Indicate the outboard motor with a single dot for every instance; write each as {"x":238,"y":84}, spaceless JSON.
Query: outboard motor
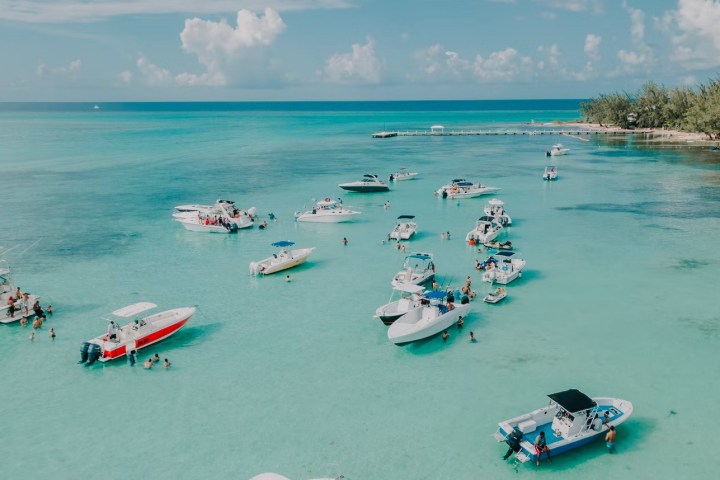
{"x":93,"y":353}
{"x":84,"y":352}
{"x":513,"y":440}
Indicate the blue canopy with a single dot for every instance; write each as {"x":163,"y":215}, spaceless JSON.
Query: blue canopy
{"x":435,"y":294}
{"x":283,"y":243}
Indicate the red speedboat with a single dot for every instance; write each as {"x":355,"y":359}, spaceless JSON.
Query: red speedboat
{"x":140,"y":333}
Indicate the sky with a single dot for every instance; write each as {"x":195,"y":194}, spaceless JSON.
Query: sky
{"x":277,"y":50}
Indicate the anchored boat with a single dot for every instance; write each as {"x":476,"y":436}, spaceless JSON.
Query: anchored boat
{"x":418,"y":268}
{"x":20,"y":306}
{"x":495,"y":208}
{"x":223,"y":217}
{"x":404,"y":229}
{"x":486,"y":230}
{"x":430,"y":319}
{"x":461,"y":188}
{"x":282,"y":260}
{"x":550,"y":173}
{"x":409,"y":299}
{"x":402,"y":174}
{"x":502,"y":267}
{"x":369,"y":184}
{"x":327,"y":211}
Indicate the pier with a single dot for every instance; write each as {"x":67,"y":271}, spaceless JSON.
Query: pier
{"x":441,"y":132}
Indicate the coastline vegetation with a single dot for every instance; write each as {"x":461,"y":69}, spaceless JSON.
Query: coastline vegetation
{"x":655,"y":106}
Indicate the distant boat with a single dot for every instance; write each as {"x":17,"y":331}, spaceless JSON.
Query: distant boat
{"x":96,"y":107}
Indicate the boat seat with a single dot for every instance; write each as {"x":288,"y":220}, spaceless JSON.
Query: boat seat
{"x":527,"y":426}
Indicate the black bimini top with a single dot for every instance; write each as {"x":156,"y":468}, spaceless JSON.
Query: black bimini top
{"x":572,"y":400}
{"x":406,"y":216}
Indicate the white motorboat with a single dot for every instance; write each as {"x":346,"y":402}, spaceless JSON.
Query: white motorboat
{"x":402,"y":174}
{"x":140,"y":333}
{"x":502,"y":267}
{"x":461,"y":188}
{"x":369,"y":184}
{"x":396,"y":308}
{"x":223,"y":217}
{"x":418,"y":268}
{"x":570,"y":420}
{"x":557,"y":149}
{"x":550,"y":173}
{"x":496,"y":208}
{"x":486,"y":230}
{"x":430,"y":319}
{"x":20,"y":306}
{"x":494,"y":297}
{"x":327,"y":211}
{"x":404,"y":229}
{"x":282,"y":260}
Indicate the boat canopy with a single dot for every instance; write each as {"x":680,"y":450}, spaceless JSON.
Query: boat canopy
{"x":370,"y":175}
{"x":505,"y":254}
{"x":458,"y":180}
{"x":435,"y":294}
{"x":283,"y":243}
{"x":486,"y":218}
{"x":421,"y":256}
{"x":464,"y":184}
{"x":572,"y":400}
{"x":133,"y":309}
{"x":406,"y":216}
{"x":408,"y":288}
{"x":495,"y":202}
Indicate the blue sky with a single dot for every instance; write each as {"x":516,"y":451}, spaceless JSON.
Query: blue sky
{"x":170,"y":50}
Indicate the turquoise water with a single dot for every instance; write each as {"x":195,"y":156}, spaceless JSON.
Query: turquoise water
{"x":298,"y":378}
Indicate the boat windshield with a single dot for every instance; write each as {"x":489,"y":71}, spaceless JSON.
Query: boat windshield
{"x":418,"y":263}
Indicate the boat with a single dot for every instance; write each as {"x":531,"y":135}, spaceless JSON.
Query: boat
{"x":136,"y":335}
{"x":282,"y":260}
{"x":570,"y":420}
{"x":402,"y":174}
{"x":22,"y":307}
{"x":418,"y":268}
{"x":369,"y":184}
{"x":486,"y":230}
{"x":557,"y":149}
{"x":502,"y":267}
{"x":494,"y":297}
{"x":430,"y":319}
{"x":327,"y":211}
{"x":384,"y":134}
{"x":222,"y":217}
{"x":506,"y":245}
{"x":404,"y":229}
{"x":461,"y":188}
{"x":496,"y":208}
{"x":409,"y":299}
{"x":550,"y":173}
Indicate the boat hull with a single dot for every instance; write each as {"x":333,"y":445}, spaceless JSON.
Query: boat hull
{"x":271,"y":265}
{"x":415,"y":325}
{"x":365,"y":188}
{"x":326,"y":217}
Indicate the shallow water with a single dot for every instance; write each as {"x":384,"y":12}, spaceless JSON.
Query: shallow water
{"x":298,"y":378}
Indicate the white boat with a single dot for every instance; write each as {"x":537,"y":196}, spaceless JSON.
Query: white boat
{"x":430,"y":319}
{"x":496,"y":208}
{"x":409,"y":299}
{"x":418,"y":268}
{"x":21,"y":307}
{"x":502,"y":267}
{"x":402,"y":174}
{"x":570,"y":420}
{"x":404,"y":229}
{"x":486,"y":230}
{"x":138,"y":334}
{"x":557,"y":149}
{"x":282,"y":260}
{"x":327,"y":211}
{"x":550,"y":173}
{"x":223,"y":217}
{"x":494,"y":297}
{"x":461,"y":188}
{"x":370,"y":183}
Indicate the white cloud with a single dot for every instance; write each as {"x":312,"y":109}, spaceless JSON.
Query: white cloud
{"x":551,"y":53}
{"x":360,"y":66}
{"x":42,"y":70}
{"x":126,"y":76}
{"x":592,"y":44}
{"x":637,"y":22}
{"x":697,"y":39}
{"x":437,"y":62}
{"x":504,"y":65}
{"x":64,"y":11}
{"x":151,"y":73}
{"x":594,"y":6}
{"x":632,"y":61}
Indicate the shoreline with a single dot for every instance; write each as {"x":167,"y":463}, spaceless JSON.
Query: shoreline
{"x":653,"y":135}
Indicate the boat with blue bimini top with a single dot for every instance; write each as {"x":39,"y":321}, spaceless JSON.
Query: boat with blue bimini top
{"x":431,"y":318}
{"x":570,"y":420}
{"x":462,"y":188}
{"x":282,"y":260}
{"x":418,"y":268}
{"x":370,"y":183}
{"x":502,"y":267}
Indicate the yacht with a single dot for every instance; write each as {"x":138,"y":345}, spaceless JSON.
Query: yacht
{"x":418,"y":268}
{"x":502,"y":267}
{"x":550,"y":173}
{"x":327,"y":211}
{"x":404,"y":229}
{"x":570,"y":420}
{"x":431,"y":318}
{"x":402,"y":174}
{"x":557,"y":149}
{"x":496,"y":208}
{"x":282,"y":260}
{"x":397,"y":307}
{"x":486,"y":230}
{"x":461,"y":188}
{"x":369,"y":184}
{"x":222,"y":217}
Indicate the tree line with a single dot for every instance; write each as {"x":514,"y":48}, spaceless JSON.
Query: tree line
{"x":655,"y":106}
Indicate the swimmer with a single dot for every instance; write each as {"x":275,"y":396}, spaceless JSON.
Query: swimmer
{"x":166,"y":363}
{"x":32,"y":336}
{"x":287,"y":278}
{"x":49,"y":310}
{"x":460,"y":322}
{"x":345,"y":241}
{"x":148,"y":364}
{"x":472,"y":337}
{"x":156,"y":358}
{"x":23,"y":321}
{"x":445,"y":335}
{"x":52,"y":333}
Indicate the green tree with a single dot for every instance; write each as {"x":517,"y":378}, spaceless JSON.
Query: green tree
{"x":679,"y":101}
{"x":649,"y":106}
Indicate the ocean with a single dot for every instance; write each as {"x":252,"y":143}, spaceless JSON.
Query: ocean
{"x":298,"y":378}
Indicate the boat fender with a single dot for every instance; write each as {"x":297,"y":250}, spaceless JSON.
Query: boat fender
{"x":93,"y":353}
{"x":84,"y":352}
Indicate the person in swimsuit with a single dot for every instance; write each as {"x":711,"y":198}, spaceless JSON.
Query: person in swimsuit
{"x":540,"y":447}
{"x":610,"y":439}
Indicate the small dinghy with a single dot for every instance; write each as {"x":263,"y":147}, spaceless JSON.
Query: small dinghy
{"x":570,"y":420}
{"x":402,"y":174}
{"x":496,"y":296}
{"x":550,"y":173}
{"x":282,"y":260}
{"x":396,"y":308}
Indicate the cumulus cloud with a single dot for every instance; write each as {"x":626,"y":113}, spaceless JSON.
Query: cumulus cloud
{"x":153,"y":74}
{"x":594,"y":6}
{"x":592,"y":44}
{"x":126,"y":76}
{"x":438,"y":62}
{"x":697,"y":36}
{"x":65,"y":11}
{"x":504,"y":65}
{"x":360,"y":66}
{"x":637,"y":22}
{"x":43,"y":71}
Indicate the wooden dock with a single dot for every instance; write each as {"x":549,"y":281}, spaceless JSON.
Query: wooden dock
{"x":460,"y":133}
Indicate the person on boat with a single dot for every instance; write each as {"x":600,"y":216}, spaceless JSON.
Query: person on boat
{"x":450,"y":296}
{"x":11,"y":307}
{"x":513,"y":438}
{"x":148,"y":364}
{"x":314,"y":211}
{"x":472,"y":337}
{"x":445,"y":335}
{"x":112,"y":330}
{"x":610,"y":439}
{"x":166,"y":363}
{"x":449,"y":305}
{"x":540,"y":447}
{"x":606,"y":417}
{"x":460,"y":322}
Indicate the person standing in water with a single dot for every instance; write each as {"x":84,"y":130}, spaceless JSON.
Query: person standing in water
{"x":610,"y":439}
